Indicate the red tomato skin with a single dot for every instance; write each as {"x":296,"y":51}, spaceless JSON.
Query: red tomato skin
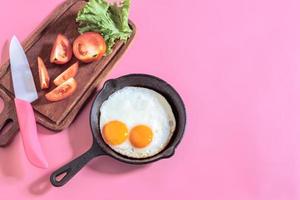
{"x":61,"y":52}
{"x":91,"y":44}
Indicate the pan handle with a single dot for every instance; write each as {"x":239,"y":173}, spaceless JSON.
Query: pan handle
{"x":8,"y":119}
{"x":61,"y":176}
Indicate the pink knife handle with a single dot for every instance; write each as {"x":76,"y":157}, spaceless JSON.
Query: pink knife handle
{"x":28,"y":131}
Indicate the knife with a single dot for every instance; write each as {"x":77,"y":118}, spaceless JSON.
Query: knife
{"x":25,"y":94}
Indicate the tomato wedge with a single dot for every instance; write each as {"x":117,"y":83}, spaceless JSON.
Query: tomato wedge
{"x":89,"y":47}
{"x":61,"y":52}
{"x":68,"y":73}
{"x":63,"y":91}
{"x":43,"y":74}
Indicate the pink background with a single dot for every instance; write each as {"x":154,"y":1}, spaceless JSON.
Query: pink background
{"x":236,"y":64}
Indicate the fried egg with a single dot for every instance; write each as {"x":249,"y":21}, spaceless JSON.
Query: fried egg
{"x":137,"y":122}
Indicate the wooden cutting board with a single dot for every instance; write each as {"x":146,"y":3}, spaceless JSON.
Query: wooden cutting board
{"x":55,"y":115}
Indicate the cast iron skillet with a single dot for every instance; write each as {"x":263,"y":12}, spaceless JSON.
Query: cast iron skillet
{"x":99,"y":147}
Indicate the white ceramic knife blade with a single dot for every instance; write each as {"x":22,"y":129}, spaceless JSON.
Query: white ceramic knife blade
{"x":23,"y":82}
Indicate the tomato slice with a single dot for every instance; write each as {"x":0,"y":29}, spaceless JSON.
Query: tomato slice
{"x":43,"y":74}
{"x":61,"y":52}
{"x":68,"y":73}
{"x":89,"y":47}
{"x":63,"y":91}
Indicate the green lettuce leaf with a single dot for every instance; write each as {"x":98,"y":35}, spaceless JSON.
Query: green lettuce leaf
{"x":109,"y":20}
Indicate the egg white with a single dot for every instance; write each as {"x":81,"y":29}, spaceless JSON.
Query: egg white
{"x":140,"y":106}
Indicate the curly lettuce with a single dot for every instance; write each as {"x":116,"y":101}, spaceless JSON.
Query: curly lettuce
{"x":109,"y":20}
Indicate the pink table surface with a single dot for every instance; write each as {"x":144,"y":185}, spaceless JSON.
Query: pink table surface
{"x":236,"y":64}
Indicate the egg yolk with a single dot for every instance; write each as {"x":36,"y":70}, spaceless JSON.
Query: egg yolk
{"x":140,"y":136}
{"x":115,"y":132}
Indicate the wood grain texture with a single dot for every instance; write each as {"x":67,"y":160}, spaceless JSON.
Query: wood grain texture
{"x":58,"y":115}
{"x":8,"y":119}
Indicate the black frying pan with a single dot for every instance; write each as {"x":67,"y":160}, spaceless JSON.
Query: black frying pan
{"x":99,"y":147}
